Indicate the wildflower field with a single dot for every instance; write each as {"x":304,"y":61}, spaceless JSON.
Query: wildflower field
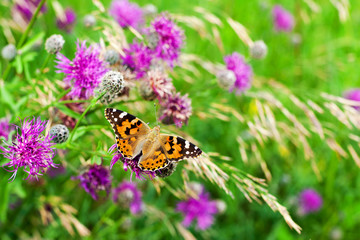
{"x":179,"y":119}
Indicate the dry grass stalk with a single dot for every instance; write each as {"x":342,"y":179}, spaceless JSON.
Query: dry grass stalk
{"x":187,"y":235}
{"x":261,"y":161}
{"x":241,"y":31}
{"x":336,"y":147}
{"x":158,"y":214}
{"x":354,"y":155}
{"x":342,"y":6}
{"x":193,"y":22}
{"x":242,"y":149}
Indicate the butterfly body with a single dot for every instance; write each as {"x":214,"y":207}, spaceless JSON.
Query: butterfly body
{"x":133,"y":137}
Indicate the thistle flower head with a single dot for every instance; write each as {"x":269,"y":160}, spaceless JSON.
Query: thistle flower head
{"x":5,"y":129}
{"x":258,"y":50}
{"x":354,"y":95}
{"x":30,"y":150}
{"x":95,"y":179}
{"x":160,"y":83}
{"x":131,"y":164}
{"x":176,"y":109}
{"x":170,"y":39}
{"x":9,"y":52}
{"x":60,"y":133}
{"x":201,"y":208}
{"x":112,"y":84}
{"x":243,"y":72}
{"x":138,"y":58}
{"x":89,"y":20}
{"x":82,"y":74}
{"x":67,"y":21}
{"x":283,"y":20}
{"x":310,"y":201}
{"x":54,"y":43}
{"x":226,"y":78}
{"x":127,"y":14}
{"x":111,"y":56}
{"x":127,"y":194}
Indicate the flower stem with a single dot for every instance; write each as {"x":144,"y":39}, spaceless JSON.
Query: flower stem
{"x":24,"y":36}
{"x":93,"y":102}
{"x":31,"y":23}
{"x":45,"y":63}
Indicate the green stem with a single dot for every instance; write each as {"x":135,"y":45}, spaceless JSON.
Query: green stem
{"x":93,"y":102}
{"x":24,"y":36}
{"x":45,"y":63}
{"x":31,"y":23}
{"x":53,"y":102}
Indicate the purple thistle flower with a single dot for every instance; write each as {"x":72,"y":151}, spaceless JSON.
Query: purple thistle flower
{"x":170,"y":39}
{"x":5,"y":128}
{"x":138,"y":58}
{"x":353,"y":95}
{"x":201,"y":208}
{"x":127,"y":194}
{"x":243,"y":72}
{"x":126,"y":13}
{"x":96,"y":178}
{"x":26,"y":8}
{"x":283,"y":20}
{"x":310,"y":201}
{"x":67,"y":21}
{"x":131,"y":164}
{"x":83,"y":74}
{"x":160,"y":83}
{"x":30,"y":149}
{"x":176,"y":109}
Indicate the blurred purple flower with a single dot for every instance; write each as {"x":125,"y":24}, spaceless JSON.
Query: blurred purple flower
{"x":138,"y":58}
{"x":54,"y":172}
{"x":5,"y":128}
{"x":67,"y":21}
{"x":283,"y":20}
{"x":30,"y":149}
{"x":128,"y":195}
{"x":170,"y":39}
{"x":132,"y":164}
{"x":176,"y":109}
{"x":160,"y":83}
{"x":126,"y":13}
{"x":96,"y":178}
{"x":353,"y":95}
{"x":83,"y":74}
{"x":310,"y":201}
{"x":26,"y":8}
{"x":201,"y":208}
{"x":243,"y":72}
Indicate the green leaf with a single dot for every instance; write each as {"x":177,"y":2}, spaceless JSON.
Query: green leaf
{"x":4,"y":198}
{"x":82,"y":130}
{"x":27,"y":46}
{"x":7,"y":98}
{"x":20,"y":103}
{"x":29,"y":56}
{"x":18,"y":64}
{"x":67,"y":110}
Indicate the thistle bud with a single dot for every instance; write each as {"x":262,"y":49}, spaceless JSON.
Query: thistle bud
{"x":226,"y":78}
{"x":54,"y":44}
{"x":9,"y":52}
{"x":258,"y":50}
{"x":60,"y":133}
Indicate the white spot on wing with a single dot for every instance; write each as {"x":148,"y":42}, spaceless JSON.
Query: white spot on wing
{"x":115,"y":119}
{"x":187,"y":152}
{"x":196,"y":147}
{"x":187,"y":144}
{"x":114,"y":110}
{"x":123,"y":114}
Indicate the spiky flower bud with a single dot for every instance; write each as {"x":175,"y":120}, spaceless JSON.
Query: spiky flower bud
{"x":54,"y":43}
{"x":60,"y":133}
{"x":220,"y":205}
{"x":146,"y":91}
{"x":167,"y":171}
{"x":149,"y":9}
{"x":258,"y":50}
{"x":226,"y":78}
{"x":89,"y":20}
{"x":111,"y":56}
{"x":9,"y":52}
{"x":112,"y":84}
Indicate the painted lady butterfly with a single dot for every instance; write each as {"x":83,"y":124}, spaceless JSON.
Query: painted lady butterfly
{"x":133,"y":137}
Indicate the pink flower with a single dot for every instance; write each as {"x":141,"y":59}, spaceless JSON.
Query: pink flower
{"x":126,"y":13}
{"x":310,"y":201}
{"x":128,"y":194}
{"x":353,"y":95}
{"x":243,"y":72}
{"x":176,"y":109}
{"x":283,"y":20}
